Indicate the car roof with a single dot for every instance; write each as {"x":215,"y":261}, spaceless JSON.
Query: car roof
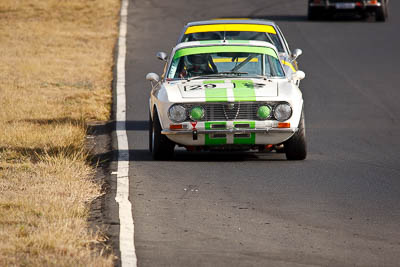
{"x":231,"y":21}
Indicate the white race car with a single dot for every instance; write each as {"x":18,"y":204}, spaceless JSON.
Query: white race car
{"x":225,"y":95}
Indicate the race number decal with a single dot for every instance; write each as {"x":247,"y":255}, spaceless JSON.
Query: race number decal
{"x":228,"y":85}
{"x":193,"y":87}
{"x":258,"y":85}
{"x":201,"y":86}
{"x":210,"y":86}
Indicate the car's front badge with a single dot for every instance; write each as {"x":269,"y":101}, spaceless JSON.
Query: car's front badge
{"x":194,"y":124}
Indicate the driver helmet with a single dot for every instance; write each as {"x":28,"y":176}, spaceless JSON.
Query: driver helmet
{"x":197,"y":63}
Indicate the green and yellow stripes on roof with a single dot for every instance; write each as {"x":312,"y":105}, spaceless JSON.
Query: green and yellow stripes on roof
{"x":225,"y":48}
{"x":231,"y":27}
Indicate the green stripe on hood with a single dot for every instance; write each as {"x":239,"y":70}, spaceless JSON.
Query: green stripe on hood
{"x":244,"y":90}
{"x":216,"y":94}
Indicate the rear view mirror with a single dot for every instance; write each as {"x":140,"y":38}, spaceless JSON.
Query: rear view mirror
{"x":153,"y":77}
{"x":162,"y":56}
{"x":296,"y":53}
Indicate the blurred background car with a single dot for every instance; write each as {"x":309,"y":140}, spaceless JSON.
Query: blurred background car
{"x":317,"y":9}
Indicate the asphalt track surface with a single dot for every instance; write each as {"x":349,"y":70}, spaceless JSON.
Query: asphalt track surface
{"x":340,"y":207}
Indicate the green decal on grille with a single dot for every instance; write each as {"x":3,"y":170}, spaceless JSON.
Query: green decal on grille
{"x":244,"y":90}
{"x":216,"y":94}
{"x":209,"y":141}
{"x":208,"y":125}
{"x":251,"y":140}
{"x":252,"y":124}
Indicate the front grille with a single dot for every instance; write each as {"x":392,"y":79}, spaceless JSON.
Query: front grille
{"x":232,"y":111}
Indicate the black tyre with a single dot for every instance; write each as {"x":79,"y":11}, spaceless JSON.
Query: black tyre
{"x":161,"y":147}
{"x":150,"y":133}
{"x":381,"y":13}
{"x":295,"y":147}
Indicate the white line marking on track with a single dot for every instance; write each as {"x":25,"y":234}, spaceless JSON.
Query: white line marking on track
{"x":127,"y":229}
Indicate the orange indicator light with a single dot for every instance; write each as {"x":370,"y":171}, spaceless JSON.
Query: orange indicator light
{"x":284,"y":125}
{"x":176,"y":126}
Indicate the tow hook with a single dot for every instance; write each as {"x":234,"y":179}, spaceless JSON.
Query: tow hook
{"x":195,"y":135}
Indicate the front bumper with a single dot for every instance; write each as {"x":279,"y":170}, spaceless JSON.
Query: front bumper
{"x":231,"y":131}
{"x":221,"y":137}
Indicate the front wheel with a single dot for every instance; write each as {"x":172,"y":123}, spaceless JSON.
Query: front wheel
{"x":295,"y":147}
{"x":150,"y":133}
{"x":160,"y":146}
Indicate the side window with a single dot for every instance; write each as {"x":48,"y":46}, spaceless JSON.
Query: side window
{"x":277,"y":42}
{"x":267,"y":67}
{"x":272,"y":67}
{"x":174,"y":69}
{"x":283,"y":40}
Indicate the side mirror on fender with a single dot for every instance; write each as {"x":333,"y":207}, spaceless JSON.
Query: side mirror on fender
{"x":298,"y":75}
{"x":296,"y":53}
{"x":153,"y":77}
{"x":162,"y":56}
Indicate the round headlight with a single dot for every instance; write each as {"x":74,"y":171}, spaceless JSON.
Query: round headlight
{"x":177,"y":113}
{"x":197,"y":113}
{"x":263,"y":112}
{"x":282,"y":112}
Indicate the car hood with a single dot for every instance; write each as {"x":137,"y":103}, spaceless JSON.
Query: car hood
{"x":228,"y":90}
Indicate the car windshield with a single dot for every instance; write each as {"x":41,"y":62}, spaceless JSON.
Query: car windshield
{"x":235,"y":35}
{"x":225,"y":61}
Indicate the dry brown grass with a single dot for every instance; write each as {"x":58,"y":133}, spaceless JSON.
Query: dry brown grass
{"x":55,"y":76}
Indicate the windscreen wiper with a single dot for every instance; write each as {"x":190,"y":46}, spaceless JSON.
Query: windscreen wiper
{"x":265,"y":77}
{"x":247,"y":60}
{"x":233,"y":72}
